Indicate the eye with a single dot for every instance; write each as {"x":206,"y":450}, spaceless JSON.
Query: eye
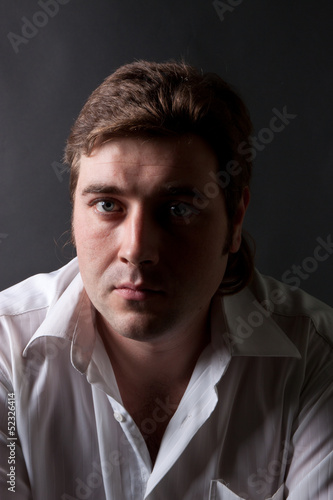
{"x":106,"y":206}
{"x":182,"y":210}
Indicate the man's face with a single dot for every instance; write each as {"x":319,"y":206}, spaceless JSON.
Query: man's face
{"x":150,"y":260}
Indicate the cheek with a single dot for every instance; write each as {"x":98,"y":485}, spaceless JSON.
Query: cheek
{"x":213,"y":256}
{"x":84,"y":228}
{"x":96,"y":250}
{"x":86,"y":239}
{"x":81,"y":236}
{"x":205,"y":259}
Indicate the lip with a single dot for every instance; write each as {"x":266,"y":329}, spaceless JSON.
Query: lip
{"x":138,"y":292}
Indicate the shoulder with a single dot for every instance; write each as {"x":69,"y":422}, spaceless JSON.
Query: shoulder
{"x":37,"y":292}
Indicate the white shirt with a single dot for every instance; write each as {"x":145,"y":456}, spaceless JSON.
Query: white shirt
{"x":256,"y":420}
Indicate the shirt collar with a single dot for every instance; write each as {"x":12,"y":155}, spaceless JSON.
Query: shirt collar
{"x":251,"y":329}
{"x":72,"y":317}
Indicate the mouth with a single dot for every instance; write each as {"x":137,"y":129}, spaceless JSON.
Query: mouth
{"x":137,"y":292}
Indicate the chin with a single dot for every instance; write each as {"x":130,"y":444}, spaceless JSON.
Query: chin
{"x":143,"y":328}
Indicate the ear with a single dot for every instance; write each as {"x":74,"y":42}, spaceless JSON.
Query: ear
{"x":238,"y":221}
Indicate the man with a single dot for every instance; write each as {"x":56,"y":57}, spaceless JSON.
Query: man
{"x":158,"y":364}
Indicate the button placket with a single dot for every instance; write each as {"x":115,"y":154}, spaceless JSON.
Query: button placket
{"x":119,"y":417}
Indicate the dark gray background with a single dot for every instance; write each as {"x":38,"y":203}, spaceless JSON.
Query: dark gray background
{"x":277,"y":53}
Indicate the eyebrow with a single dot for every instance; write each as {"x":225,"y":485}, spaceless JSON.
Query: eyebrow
{"x":103,"y":189}
{"x":169,"y":190}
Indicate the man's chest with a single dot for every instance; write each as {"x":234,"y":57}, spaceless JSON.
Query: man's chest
{"x":152,"y":413}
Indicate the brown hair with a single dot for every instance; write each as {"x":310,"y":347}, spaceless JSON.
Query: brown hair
{"x":171,"y":99}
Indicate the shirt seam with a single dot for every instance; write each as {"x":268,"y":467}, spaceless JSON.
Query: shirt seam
{"x":312,"y":322}
{"x":8,"y":315}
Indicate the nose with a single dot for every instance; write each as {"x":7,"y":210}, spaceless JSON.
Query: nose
{"x":139,"y":238}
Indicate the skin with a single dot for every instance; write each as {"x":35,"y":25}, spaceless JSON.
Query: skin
{"x":150,"y":260}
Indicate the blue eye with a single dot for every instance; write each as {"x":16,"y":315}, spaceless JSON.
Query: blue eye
{"x":105,"y":206}
{"x":182,"y":210}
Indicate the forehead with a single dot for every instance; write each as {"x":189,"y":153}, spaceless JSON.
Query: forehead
{"x":149,"y":163}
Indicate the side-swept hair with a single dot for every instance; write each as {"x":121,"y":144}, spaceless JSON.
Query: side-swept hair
{"x":148,"y":98}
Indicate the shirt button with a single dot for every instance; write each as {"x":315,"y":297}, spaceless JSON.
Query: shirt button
{"x":118,"y":416}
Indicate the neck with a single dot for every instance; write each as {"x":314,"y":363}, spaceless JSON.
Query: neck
{"x":166,"y":362}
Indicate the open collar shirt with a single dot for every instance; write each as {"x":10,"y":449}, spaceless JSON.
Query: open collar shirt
{"x":255,"y":422}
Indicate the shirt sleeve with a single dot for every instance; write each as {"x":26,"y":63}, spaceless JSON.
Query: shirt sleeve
{"x":310,"y":475}
{"x":14,"y":481}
